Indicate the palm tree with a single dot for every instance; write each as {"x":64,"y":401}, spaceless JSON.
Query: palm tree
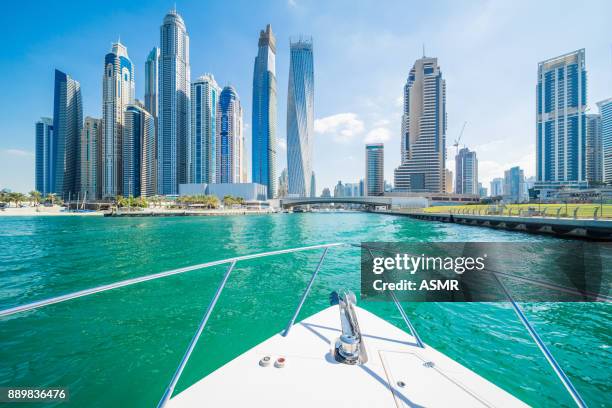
{"x":35,"y":196}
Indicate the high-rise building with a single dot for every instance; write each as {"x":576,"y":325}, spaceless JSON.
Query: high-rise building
{"x":514,"y":186}
{"x":43,"y":167}
{"x":605,"y":110}
{"x":174,"y":111}
{"x":203,"y":145}
{"x":594,"y":149}
{"x":482,"y":191}
{"x":339,"y":190}
{"x":423,"y":144}
{"x":118,"y":93}
{"x":466,"y":172}
{"x":91,"y":158}
{"x":67,"y":124}
{"x":300,"y":117}
{"x":139,"y":170}
{"x":151,"y":100}
{"x":326,"y":193}
{"x":283,"y":184}
{"x":352,"y":190}
{"x":561,"y":99}
{"x":497,"y":187}
{"x":313,"y":185}
{"x":229,"y":137}
{"x":263,"y":157}
{"x":448,"y":181}
{"x":375,"y":169}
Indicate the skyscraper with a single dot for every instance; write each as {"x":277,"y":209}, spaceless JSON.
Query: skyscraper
{"x":264,"y":113}
{"x":174,"y":111}
{"x":138,"y":151}
{"x":91,"y":158}
{"x":594,"y":149}
{"x":283,"y":184}
{"x":514,"y":186}
{"x":375,"y":169}
{"x":561,"y":98}
{"x":203,"y":145}
{"x":300,"y":117}
{"x":44,"y":141}
{"x":151,"y":100}
{"x":497,"y":187}
{"x":466,"y":172}
{"x":229,"y":140}
{"x":423,"y":144}
{"x":118,"y":92}
{"x":605,"y":110}
{"x":313,"y":185}
{"x":448,"y":181}
{"x":67,"y":123}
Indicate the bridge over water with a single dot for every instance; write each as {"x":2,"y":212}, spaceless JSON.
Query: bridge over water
{"x":367,"y":201}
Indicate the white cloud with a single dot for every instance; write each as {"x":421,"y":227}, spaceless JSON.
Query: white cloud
{"x":343,"y":127}
{"x":378,"y":135}
{"x":18,"y":152}
{"x":292,"y":3}
{"x":282,"y":144}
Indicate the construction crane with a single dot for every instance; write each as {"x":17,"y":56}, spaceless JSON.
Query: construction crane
{"x":456,"y":144}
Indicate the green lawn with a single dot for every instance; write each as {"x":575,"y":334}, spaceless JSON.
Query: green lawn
{"x":584,"y":210}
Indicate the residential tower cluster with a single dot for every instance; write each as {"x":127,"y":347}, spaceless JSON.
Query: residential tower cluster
{"x":185,"y":135}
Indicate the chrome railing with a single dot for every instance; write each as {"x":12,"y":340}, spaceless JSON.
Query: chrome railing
{"x":232,"y":263}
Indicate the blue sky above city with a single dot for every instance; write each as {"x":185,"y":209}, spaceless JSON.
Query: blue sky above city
{"x":488,"y":52}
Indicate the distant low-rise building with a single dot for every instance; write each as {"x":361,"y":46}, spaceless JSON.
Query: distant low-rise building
{"x":247,"y":191}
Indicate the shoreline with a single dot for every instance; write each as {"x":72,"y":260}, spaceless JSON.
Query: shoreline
{"x":57,"y":211}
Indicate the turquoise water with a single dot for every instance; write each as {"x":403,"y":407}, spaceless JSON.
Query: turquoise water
{"x":121,"y":347}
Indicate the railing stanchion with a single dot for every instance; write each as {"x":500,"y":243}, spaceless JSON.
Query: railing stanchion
{"x":303,"y":299}
{"x":403,"y":314}
{"x":567,"y":383}
{"x":407,"y":321}
{"x":194,"y":340}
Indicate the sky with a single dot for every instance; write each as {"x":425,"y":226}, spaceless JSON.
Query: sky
{"x":488,"y":52}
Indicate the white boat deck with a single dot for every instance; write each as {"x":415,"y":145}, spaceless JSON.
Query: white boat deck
{"x":398,"y":373}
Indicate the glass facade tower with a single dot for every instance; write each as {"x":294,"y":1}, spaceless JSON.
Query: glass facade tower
{"x":91,"y":158}
{"x":229,"y":140}
{"x":174,"y":111}
{"x":300,"y":117}
{"x":423,"y":139}
{"x":375,"y":169}
{"x":466,"y":172}
{"x":44,"y":141}
{"x":67,"y":124}
{"x":138,"y":152}
{"x":263,"y":157}
{"x":203,"y":145}
{"x":118,"y":92}
{"x":561,"y":99}
{"x":151,"y":100}
{"x":605,"y":110}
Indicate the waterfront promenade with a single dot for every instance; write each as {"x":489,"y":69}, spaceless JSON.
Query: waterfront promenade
{"x":597,"y":229}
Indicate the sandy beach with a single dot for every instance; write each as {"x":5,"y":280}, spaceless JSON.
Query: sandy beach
{"x":43,"y":211}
